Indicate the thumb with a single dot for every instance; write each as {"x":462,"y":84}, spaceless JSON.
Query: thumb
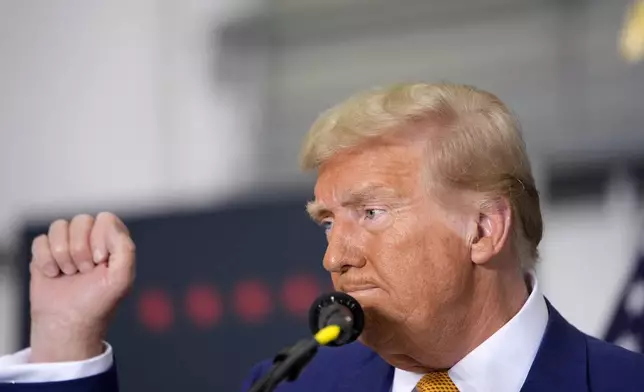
{"x":122,"y":256}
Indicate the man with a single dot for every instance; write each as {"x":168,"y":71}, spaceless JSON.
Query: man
{"x":433,"y":220}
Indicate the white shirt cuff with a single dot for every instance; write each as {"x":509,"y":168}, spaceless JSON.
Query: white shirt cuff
{"x":15,"y":368}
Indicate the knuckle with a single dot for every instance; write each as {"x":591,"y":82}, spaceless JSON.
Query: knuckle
{"x":129,"y":245}
{"x":58,"y":228}
{"x":82,"y":218}
{"x":58,"y":223}
{"x":60,"y":249}
{"x":38,"y":243}
{"x":106,"y":217}
{"x":110,"y":219}
{"x":125,"y":243}
{"x":79,"y":249}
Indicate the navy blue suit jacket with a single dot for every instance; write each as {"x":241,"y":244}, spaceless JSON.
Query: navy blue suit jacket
{"x":567,"y":360}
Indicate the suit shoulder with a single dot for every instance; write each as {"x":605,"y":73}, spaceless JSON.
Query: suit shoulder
{"x":611,"y":354}
{"x":614,"y":368}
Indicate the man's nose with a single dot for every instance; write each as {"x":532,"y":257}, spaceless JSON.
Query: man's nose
{"x":343,"y":252}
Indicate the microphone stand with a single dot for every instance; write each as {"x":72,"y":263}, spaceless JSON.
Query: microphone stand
{"x":335,"y":318}
{"x":287,"y":364}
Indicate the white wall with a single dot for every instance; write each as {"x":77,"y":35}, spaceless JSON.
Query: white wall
{"x":112,"y":105}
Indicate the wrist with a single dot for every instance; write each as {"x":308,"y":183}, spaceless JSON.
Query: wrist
{"x":56,"y":343}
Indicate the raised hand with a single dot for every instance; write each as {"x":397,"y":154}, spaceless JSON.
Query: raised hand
{"x":80,"y":270}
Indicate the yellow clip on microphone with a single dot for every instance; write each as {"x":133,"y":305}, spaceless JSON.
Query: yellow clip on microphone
{"x":327,"y":334}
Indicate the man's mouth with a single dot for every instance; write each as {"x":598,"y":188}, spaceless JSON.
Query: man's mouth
{"x":359,"y":290}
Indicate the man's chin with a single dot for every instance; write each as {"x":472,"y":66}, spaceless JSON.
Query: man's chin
{"x":379,"y":330}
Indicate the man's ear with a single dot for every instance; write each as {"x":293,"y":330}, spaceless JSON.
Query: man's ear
{"x":492,"y":230}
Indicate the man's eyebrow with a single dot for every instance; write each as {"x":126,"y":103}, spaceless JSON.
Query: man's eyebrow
{"x":317,"y":211}
{"x":362,"y":195}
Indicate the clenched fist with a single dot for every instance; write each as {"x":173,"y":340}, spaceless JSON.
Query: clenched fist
{"x":80,"y":270}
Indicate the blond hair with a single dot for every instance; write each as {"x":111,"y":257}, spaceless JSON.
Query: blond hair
{"x":476,"y":144}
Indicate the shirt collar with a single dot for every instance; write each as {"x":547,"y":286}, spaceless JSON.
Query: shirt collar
{"x":502,"y":362}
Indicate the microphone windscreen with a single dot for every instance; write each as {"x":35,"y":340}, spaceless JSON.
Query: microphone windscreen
{"x":340,"y":309}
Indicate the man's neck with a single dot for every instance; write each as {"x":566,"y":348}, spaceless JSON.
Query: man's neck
{"x":505,"y":296}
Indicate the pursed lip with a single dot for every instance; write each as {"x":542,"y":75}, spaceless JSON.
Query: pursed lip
{"x":358,"y":289}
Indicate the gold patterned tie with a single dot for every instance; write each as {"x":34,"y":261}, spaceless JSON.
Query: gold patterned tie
{"x":436,"y":382}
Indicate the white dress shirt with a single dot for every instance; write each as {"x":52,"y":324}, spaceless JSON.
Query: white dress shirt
{"x":502,"y":362}
{"x":15,"y":368}
{"x":499,"y":364}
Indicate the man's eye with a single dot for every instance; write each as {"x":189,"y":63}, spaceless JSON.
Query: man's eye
{"x":326,"y":224}
{"x":372,"y":213}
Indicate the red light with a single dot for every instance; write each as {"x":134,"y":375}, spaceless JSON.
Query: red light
{"x":252,"y":301}
{"x":155,"y":310}
{"x":299,"y":292}
{"x":203,"y":305}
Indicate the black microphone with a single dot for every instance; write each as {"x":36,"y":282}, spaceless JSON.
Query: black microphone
{"x":333,"y":309}
{"x":339,"y":309}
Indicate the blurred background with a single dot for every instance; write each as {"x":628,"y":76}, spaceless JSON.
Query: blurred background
{"x":185,"y":118}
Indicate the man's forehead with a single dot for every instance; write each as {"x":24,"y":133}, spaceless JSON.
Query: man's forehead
{"x":337,"y":193}
{"x":376,"y":170}
{"x":382,"y":178}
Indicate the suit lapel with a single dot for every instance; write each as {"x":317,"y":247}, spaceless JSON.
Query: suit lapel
{"x":374,"y":375}
{"x":561,"y":362}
